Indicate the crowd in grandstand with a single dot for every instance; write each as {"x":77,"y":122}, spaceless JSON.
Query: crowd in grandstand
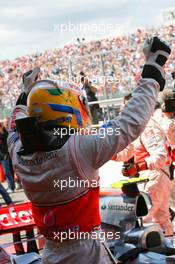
{"x":120,"y":56}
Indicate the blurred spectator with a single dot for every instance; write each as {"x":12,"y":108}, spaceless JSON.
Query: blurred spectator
{"x":4,"y":158}
{"x":173,"y":76}
{"x":90,"y":90}
{"x":5,"y":195}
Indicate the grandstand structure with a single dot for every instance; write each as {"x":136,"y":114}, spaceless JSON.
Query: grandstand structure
{"x":169,"y":16}
{"x":112,"y":64}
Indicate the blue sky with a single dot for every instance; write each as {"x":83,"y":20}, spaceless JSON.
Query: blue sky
{"x":31,"y":26}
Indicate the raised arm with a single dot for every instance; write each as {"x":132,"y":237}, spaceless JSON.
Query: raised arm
{"x":95,"y":150}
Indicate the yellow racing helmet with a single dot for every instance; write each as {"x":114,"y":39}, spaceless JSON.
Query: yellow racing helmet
{"x":58,"y":103}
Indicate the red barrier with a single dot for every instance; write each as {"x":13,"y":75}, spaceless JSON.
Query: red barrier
{"x":15,"y":218}
{"x":2,"y":175}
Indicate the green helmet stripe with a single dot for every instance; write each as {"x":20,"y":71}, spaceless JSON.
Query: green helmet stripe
{"x":56,"y":91}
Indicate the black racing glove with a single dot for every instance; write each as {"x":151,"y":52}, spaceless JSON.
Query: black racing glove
{"x":131,"y":169}
{"x":156,"y":53}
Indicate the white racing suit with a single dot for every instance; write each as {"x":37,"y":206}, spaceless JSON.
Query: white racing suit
{"x":74,"y":206}
{"x":151,"y":147}
{"x":168,"y":125}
